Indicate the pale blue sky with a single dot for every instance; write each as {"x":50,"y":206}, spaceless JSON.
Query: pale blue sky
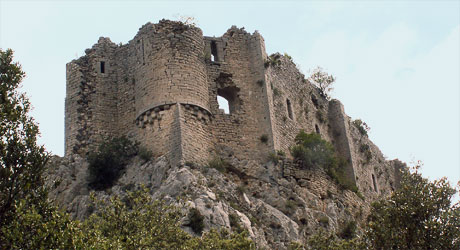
{"x":397,"y":63}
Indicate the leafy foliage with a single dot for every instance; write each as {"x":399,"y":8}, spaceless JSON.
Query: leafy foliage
{"x":22,"y":161}
{"x":312,"y":151}
{"x":329,"y":241}
{"x":108,"y":161}
{"x":40,"y":226}
{"x":323,"y":81}
{"x":218,"y":163}
{"x":196,"y":220}
{"x":419,"y":215}
{"x":363,"y":128}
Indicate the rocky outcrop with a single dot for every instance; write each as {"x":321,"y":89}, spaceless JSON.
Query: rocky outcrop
{"x":275,"y":207}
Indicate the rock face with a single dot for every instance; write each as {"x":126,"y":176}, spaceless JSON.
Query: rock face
{"x":275,"y":207}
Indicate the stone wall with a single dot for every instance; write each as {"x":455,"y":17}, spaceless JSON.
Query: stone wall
{"x":235,"y":74}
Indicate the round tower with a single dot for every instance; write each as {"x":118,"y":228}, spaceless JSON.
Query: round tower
{"x":170,"y":82}
{"x":172,"y":68}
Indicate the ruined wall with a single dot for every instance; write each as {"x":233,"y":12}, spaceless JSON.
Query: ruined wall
{"x":294,"y":103}
{"x":91,"y":102}
{"x":237,"y":74}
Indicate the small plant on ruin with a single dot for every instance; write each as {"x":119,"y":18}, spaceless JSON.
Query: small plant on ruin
{"x":264,"y":138}
{"x":260,"y":83}
{"x":363,"y":128}
{"x":323,"y":81}
{"x":234,"y":223}
{"x":273,"y":60}
{"x":312,"y":151}
{"x":108,"y":161}
{"x":187,"y":20}
{"x":321,"y":116}
{"x":365,"y":149}
{"x":218,"y":163}
{"x":145,"y":154}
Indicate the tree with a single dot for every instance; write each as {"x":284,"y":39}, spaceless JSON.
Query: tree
{"x":22,"y":161}
{"x":138,"y":222}
{"x":323,"y":81}
{"x":419,"y":215}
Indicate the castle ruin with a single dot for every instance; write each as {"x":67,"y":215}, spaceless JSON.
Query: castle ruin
{"x":161,"y":89}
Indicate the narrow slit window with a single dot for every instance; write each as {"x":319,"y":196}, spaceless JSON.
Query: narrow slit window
{"x":317,"y":129}
{"x":102,"y":67}
{"x":214,"y":51}
{"x":375,"y":183}
{"x":223,"y":104}
{"x":289,"y":108}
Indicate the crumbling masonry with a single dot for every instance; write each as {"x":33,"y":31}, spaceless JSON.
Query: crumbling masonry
{"x":161,"y":89}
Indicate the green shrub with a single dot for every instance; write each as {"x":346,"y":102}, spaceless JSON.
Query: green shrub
{"x":321,"y":116}
{"x":348,"y":231}
{"x":273,"y":60}
{"x":264,"y":138}
{"x":312,"y":151}
{"x":196,"y":221}
{"x":234,"y":223}
{"x":145,"y":154}
{"x":219,"y":164}
{"x":324,"y":220}
{"x":337,"y":172}
{"x":362,"y":126}
{"x":365,"y":149}
{"x":108,"y":161}
{"x":276,"y":156}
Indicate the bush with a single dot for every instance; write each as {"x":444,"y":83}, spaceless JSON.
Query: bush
{"x":196,"y":221}
{"x":108,"y":161}
{"x":264,"y":138}
{"x":276,"y":156}
{"x":145,"y":154}
{"x":337,"y":172}
{"x":362,"y":126}
{"x":348,"y":231}
{"x":219,"y":164}
{"x":234,"y":223}
{"x":312,"y":151}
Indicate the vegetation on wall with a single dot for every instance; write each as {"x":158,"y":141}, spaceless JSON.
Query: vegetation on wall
{"x":312,"y":151}
{"x":323,"y":81}
{"x":109,"y":160}
{"x":361,"y":126}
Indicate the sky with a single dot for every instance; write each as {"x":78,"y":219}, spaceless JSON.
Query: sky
{"x":397,"y":63}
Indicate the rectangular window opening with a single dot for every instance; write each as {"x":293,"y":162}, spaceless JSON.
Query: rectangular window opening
{"x":102,"y":67}
{"x":289,"y":108}
{"x":214,"y":51}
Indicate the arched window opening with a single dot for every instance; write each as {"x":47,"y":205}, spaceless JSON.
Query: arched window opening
{"x":289,"y":108}
{"x":375,"y":183}
{"x":231,"y":95}
{"x":223,"y":104}
{"x":214,"y":51}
